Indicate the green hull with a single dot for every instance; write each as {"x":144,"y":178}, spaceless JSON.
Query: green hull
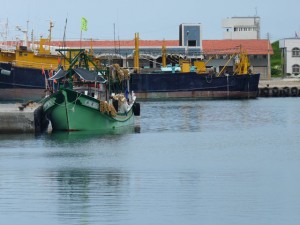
{"x":69,"y":110}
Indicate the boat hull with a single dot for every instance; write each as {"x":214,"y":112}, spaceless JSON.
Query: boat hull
{"x":71,"y":111}
{"x":21,"y":84}
{"x":21,"y":94}
{"x":192,"y":85}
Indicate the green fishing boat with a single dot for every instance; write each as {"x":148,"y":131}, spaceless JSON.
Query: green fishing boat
{"x":89,"y":99}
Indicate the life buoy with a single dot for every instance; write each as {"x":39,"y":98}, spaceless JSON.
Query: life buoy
{"x":136,"y":109}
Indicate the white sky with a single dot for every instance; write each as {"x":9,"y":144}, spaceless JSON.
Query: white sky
{"x":153,"y":19}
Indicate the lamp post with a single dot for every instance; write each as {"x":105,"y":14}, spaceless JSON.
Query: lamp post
{"x":187,"y":44}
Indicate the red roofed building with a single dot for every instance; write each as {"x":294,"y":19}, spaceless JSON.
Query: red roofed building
{"x":151,"y":50}
{"x":258,"y":52}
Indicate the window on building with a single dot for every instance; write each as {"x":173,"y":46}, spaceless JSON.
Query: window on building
{"x":192,"y":43}
{"x":296,"y":69}
{"x":296,"y":52}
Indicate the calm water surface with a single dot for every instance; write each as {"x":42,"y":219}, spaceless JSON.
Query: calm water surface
{"x":184,"y":162}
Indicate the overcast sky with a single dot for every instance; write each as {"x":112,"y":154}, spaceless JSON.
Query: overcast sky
{"x":153,"y":19}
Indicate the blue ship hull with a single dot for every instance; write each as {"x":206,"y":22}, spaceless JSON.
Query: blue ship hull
{"x":21,"y":84}
{"x":29,"y":84}
{"x":192,"y":85}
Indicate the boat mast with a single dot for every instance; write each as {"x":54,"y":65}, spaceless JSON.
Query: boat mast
{"x":136,"y":53}
{"x":64,"y":37}
{"x":25,"y":32}
{"x":164,"y":54}
{"x":4,"y":34}
{"x":50,"y":32}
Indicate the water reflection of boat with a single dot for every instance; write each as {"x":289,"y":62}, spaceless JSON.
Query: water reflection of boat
{"x":79,"y":136}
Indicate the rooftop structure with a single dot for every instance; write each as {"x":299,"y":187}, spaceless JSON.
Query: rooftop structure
{"x":241,"y":28}
{"x":190,"y":35}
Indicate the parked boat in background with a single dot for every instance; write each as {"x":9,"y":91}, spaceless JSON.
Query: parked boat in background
{"x":86,"y":99}
{"x":192,"y":85}
{"x":187,"y":81}
{"x":23,"y":70}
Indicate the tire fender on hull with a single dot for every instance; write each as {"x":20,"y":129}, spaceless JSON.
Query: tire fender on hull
{"x":136,"y":109}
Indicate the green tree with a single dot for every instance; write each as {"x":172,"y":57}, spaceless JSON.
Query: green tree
{"x":276,"y":60}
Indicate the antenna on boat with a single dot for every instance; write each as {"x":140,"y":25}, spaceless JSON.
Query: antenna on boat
{"x":115,"y":38}
{"x":32,"y":40}
{"x":50,"y":32}
{"x":64,"y":37}
{"x":4,"y":33}
{"x":25,"y":32}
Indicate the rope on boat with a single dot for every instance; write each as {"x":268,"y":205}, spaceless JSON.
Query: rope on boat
{"x":120,"y":73}
{"x":107,"y":108}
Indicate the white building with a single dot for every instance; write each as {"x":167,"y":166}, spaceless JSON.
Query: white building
{"x":241,"y":28}
{"x":290,"y":52}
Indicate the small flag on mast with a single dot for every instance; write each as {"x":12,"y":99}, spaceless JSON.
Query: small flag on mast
{"x":83,"y":24}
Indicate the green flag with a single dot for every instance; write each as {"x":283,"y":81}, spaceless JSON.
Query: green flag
{"x":83,"y":24}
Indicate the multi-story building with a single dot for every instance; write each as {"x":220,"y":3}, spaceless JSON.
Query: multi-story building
{"x":290,"y":52}
{"x":241,"y":28}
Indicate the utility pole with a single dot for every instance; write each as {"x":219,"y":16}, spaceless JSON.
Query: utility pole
{"x":269,"y":61}
{"x":115,"y":38}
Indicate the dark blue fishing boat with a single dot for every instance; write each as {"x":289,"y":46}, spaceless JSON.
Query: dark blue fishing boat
{"x":241,"y":83}
{"x":193,"y":85}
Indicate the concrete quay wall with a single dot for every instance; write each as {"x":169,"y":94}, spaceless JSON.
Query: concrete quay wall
{"x":288,"y":87}
{"x":15,"y":118}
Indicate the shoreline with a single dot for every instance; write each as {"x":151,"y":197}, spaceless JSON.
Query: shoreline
{"x":280,"y":83}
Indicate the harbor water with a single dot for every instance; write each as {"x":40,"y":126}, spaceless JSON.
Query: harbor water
{"x":184,"y":162}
